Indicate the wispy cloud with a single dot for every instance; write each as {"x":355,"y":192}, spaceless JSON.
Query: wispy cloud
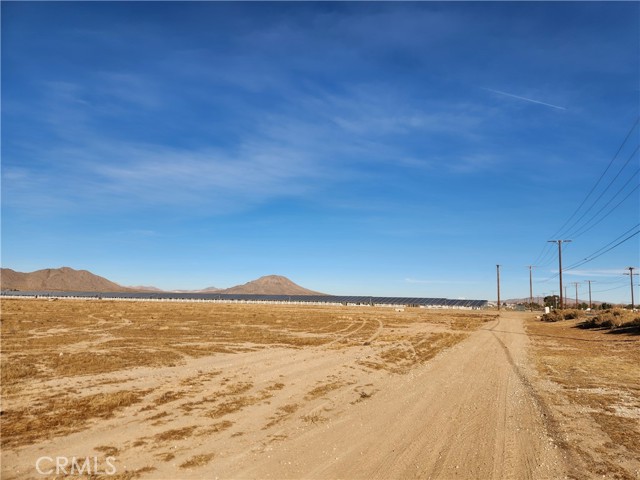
{"x":607,"y":272}
{"x":531,"y":100}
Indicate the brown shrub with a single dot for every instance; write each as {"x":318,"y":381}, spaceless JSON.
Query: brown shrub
{"x":559,"y":315}
{"x":616,"y":318}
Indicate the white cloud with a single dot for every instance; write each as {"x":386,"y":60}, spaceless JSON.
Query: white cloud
{"x":605,"y":272}
{"x":518,"y":97}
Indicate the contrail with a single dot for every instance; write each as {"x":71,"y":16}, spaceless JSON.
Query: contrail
{"x":523,"y":98}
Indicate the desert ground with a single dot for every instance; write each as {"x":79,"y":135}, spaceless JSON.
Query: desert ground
{"x":208,"y":390}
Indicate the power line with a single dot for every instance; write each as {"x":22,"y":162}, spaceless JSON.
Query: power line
{"x":543,"y":253}
{"x":587,"y":260}
{"x":599,"y":179}
{"x":584,"y":230}
{"x":597,"y":253}
{"x":545,"y":257}
{"x":612,"y":241}
{"x":605,"y":191}
{"x":614,"y":288}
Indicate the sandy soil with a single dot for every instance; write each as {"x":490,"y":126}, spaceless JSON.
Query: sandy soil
{"x":591,"y":385}
{"x":470,"y":413}
{"x":366,"y":393}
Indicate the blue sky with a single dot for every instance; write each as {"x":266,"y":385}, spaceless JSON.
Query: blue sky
{"x":357,"y":148}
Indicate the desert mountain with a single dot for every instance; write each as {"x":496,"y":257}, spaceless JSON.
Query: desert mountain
{"x":145,"y":288}
{"x":68,"y":279}
{"x":60,"y":279}
{"x":271,"y":285}
{"x":203,"y":290}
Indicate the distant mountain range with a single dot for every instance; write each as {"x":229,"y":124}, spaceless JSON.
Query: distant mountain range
{"x":271,"y":285}
{"x":59,"y":279}
{"x":70,"y":280}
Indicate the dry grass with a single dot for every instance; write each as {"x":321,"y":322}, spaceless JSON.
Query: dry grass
{"x":314,"y":418}
{"x":560,"y":315}
{"x":465,"y":322}
{"x":126,"y":475}
{"x":175,"y":434}
{"x":197,"y":461}
{"x":401,"y":353}
{"x":233,"y":405}
{"x":169,"y":396}
{"x":322,"y":390}
{"x":69,"y":338}
{"x":61,"y":415}
{"x":596,"y":373}
{"x":16,"y":371}
{"x":229,"y":390}
{"x":282,"y":413}
{"x":166,"y":456}
{"x":44,"y":342}
{"x":215,"y":428}
{"x":622,"y":321}
{"x":107,"y":451}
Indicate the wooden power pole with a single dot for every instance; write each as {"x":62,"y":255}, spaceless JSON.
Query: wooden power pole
{"x":498,"y":274}
{"x":530,"y":288}
{"x":560,"y":242}
{"x":631,"y":269}
{"x":576,"y":284}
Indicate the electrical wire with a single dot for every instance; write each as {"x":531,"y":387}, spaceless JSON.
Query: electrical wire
{"x":546,"y":255}
{"x":626,"y":285}
{"x":604,"y":191}
{"x":599,"y":179}
{"x":589,"y":259}
{"x":585,"y":230}
{"x":598,"y":252}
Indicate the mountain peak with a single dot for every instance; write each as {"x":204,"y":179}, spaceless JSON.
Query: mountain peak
{"x":271,"y":285}
{"x":60,"y":279}
{"x":69,"y":279}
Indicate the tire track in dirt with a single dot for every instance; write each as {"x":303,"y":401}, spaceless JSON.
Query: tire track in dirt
{"x":377,"y":332}
{"x":546,"y":415}
{"x":468,"y":413}
{"x":347,"y":335}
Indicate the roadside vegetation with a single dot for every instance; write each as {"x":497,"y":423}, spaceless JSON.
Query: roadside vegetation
{"x":617,"y":320}
{"x":589,"y":367}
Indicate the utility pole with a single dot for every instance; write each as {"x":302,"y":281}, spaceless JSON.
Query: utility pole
{"x":631,"y":269}
{"x":498,"y":272}
{"x":589,"y":282}
{"x":565,"y":296}
{"x":530,"y":288}
{"x":576,"y":284}
{"x":560,"y":242}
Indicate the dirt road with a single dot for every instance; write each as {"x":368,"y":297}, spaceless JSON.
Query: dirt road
{"x":469,"y":413}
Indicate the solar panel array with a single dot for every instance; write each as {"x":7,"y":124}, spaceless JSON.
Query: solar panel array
{"x":345,"y":300}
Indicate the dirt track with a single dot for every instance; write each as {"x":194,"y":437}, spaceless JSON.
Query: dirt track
{"x":469,"y":413}
{"x":365,"y":401}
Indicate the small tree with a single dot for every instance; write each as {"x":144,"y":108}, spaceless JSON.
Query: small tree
{"x":551,"y":301}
